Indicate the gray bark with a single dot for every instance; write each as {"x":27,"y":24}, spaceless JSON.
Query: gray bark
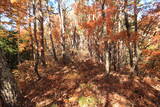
{"x":61,"y":15}
{"x":36,"y":41}
{"x":42,"y":34}
{"x":9,"y":92}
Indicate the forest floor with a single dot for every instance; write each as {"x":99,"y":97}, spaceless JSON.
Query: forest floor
{"x":84,"y":84}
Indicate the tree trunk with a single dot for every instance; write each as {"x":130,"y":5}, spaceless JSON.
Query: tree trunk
{"x":76,"y":38}
{"x":31,"y":36}
{"x":42,"y":35}
{"x":118,"y":55}
{"x":114,"y":56}
{"x":9,"y":92}
{"x":136,"y":30}
{"x":50,"y":34}
{"x":107,"y":57}
{"x":129,"y":44}
{"x":62,"y":30}
{"x":107,"y":60}
{"x":130,"y":55}
{"x":36,"y":41}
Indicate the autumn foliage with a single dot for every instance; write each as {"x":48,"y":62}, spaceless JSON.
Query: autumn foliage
{"x":88,"y":53}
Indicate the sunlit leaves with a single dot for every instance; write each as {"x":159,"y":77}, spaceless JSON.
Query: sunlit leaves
{"x":17,"y":1}
{"x":14,"y":1}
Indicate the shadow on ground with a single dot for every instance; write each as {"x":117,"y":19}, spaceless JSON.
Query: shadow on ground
{"x":63,"y":85}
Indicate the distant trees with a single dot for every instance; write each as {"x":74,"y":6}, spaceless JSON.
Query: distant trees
{"x":119,"y":39}
{"x":115,"y":33}
{"x":108,"y":30}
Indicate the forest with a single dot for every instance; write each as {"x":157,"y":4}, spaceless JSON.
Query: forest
{"x":79,"y":53}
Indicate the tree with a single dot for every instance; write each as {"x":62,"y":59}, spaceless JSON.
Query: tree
{"x":50,"y":32}
{"x":9,"y":91}
{"x":62,"y":27}
{"x":41,"y":21}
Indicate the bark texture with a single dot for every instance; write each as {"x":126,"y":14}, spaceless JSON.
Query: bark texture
{"x":10,"y":95}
